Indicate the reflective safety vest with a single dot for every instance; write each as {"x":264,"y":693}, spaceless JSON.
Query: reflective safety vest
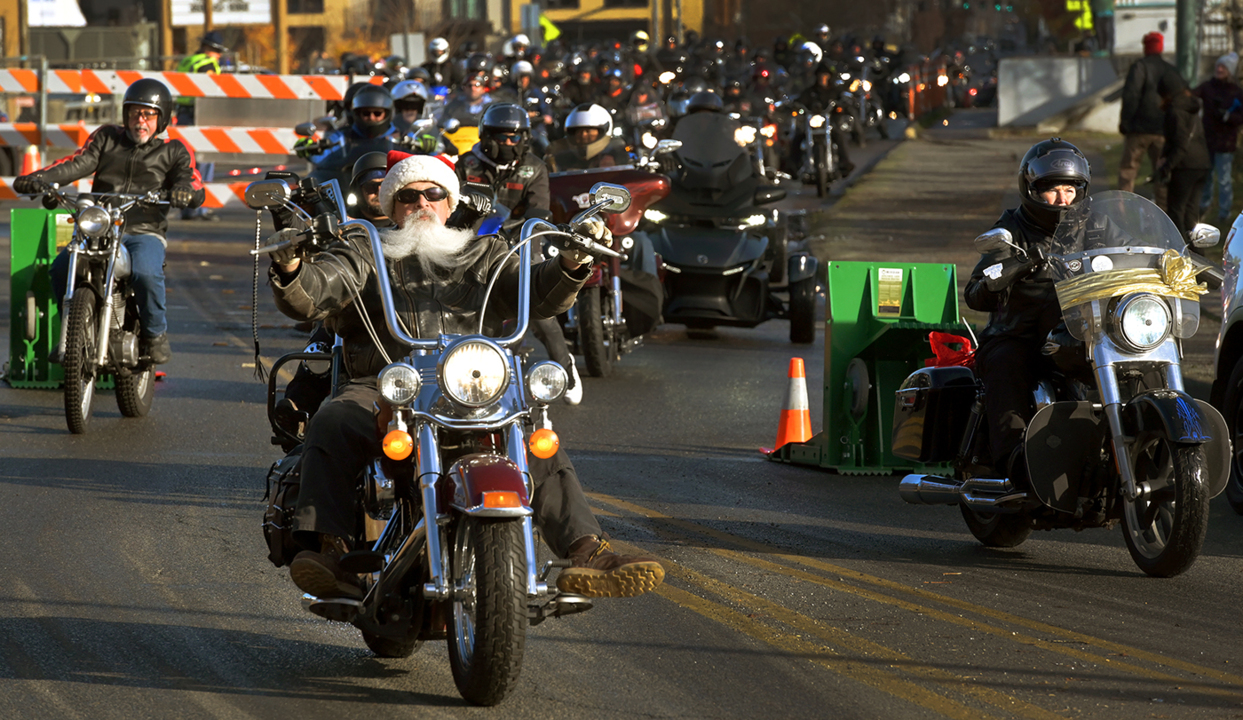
{"x":196,"y":63}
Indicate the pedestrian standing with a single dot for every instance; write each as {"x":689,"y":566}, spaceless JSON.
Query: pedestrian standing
{"x":1184,"y":162}
{"x":1223,"y":114}
{"x":1143,"y":120}
{"x":206,"y":60}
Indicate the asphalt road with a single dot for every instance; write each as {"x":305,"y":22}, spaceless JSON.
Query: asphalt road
{"x":137,"y":584}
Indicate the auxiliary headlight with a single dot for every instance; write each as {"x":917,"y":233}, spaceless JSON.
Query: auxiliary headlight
{"x":655,"y":216}
{"x":1143,"y":320}
{"x":817,"y":121}
{"x":547,"y":381}
{"x":399,"y":384}
{"x":474,"y":373}
{"x":94,"y":221}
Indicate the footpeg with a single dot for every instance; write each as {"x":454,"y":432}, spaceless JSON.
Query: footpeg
{"x":338,"y":609}
{"x":560,"y":605}
{"x":362,"y":561}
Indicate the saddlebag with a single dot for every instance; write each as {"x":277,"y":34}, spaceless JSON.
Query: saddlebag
{"x":930,"y":413}
{"x":284,"y":481}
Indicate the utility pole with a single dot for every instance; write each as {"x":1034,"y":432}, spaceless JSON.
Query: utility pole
{"x":1188,"y":53}
{"x":166,"y":31}
{"x":207,"y":20}
{"x":280,"y":20}
{"x":1236,"y":25}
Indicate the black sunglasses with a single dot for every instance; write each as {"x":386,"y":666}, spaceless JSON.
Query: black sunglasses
{"x":372,"y":187}
{"x":511,"y":138}
{"x":410,"y":196}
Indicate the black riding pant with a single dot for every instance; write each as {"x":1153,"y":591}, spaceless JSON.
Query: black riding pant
{"x":1009,"y":369}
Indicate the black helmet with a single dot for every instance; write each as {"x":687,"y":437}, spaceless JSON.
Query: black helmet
{"x":151,"y":93}
{"x":704,"y":101}
{"x":504,"y":119}
{"x":213,"y":41}
{"x":370,"y":166}
{"x":1047,"y":164}
{"x":374,"y":96}
{"x":478,"y":62}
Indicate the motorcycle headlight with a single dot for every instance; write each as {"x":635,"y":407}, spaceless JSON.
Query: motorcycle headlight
{"x":817,"y":121}
{"x":655,"y":216}
{"x":744,"y":135}
{"x":754,"y":221}
{"x":904,"y":78}
{"x":474,"y":373}
{"x":94,"y":221}
{"x":867,"y":85}
{"x":769,"y":131}
{"x":547,"y":381}
{"x":649,"y":140}
{"x":942,"y":81}
{"x":399,"y":384}
{"x":854,"y":86}
{"x":667,"y":77}
{"x":1142,"y":321}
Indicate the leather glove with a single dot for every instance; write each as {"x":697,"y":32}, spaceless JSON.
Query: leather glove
{"x":424,"y":143}
{"x":290,"y":252}
{"x":28,"y":185}
{"x":477,"y":201}
{"x":305,"y":147}
{"x":181,"y":197}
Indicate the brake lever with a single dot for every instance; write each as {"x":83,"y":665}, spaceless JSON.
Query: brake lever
{"x":297,"y":240}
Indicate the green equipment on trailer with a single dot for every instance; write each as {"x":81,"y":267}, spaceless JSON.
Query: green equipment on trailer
{"x":879,"y":315}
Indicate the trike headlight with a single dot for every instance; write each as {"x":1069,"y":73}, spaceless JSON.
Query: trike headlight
{"x":399,"y":384}
{"x":474,"y":373}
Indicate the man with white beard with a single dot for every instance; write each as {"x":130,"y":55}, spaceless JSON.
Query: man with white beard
{"x":439,"y":276}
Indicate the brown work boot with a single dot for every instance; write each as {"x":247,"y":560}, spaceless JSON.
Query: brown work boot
{"x":600,"y":572}
{"x":319,"y":574}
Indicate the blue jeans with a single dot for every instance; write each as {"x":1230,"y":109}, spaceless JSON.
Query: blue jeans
{"x":1223,"y":165}
{"x":146,"y":254}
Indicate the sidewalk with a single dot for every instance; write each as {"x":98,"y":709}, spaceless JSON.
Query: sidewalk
{"x":929,"y":199}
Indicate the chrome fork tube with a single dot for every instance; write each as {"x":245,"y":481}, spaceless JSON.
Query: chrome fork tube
{"x":1174,"y":377}
{"x":617,"y":300}
{"x":401,"y":563}
{"x":515,"y":447}
{"x":74,"y":252}
{"x":105,"y":318}
{"x":1111,"y":398}
{"x":429,"y":474}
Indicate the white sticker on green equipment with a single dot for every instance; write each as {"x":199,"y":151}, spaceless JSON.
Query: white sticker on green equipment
{"x":889,"y":295}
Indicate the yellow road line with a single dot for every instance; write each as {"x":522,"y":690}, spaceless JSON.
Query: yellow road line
{"x":998,"y":615}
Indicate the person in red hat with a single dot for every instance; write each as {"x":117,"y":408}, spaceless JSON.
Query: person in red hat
{"x":439,"y":274}
{"x":1142,"y":121}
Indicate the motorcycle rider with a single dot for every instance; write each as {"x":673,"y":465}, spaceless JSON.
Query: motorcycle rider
{"x":133,"y":158}
{"x":1054,"y":176}
{"x":409,"y":101}
{"x":467,"y":104}
{"x":441,"y":68}
{"x":523,"y":91}
{"x":519,"y":181}
{"x":371,"y":130}
{"x":819,"y":99}
{"x":588,"y":142}
{"x":584,"y":88}
{"x":442,"y":272}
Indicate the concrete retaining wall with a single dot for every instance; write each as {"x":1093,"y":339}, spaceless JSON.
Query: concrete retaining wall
{"x":1031,"y":89}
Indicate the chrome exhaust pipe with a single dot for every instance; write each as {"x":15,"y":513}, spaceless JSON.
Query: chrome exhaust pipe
{"x":930,"y":490}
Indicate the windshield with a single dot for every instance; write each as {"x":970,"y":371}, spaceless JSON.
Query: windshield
{"x":708,"y":139}
{"x":1116,"y":219}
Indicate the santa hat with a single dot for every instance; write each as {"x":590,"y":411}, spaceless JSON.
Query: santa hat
{"x":1230,"y":61}
{"x":404,"y":168}
{"x":1154,"y":43}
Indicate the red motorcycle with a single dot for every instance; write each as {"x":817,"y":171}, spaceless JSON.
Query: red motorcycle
{"x":601,"y":326}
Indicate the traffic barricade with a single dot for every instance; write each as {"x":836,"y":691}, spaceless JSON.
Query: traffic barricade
{"x":878,"y":318}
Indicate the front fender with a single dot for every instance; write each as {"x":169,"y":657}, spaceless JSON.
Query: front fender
{"x":479,"y":473}
{"x":1188,"y":421}
{"x":802,"y":266}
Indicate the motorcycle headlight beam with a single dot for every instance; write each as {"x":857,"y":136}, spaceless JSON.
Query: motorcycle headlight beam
{"x":817,"y":121}
{"x":744,"y":135}
{"x":474,"y":372}
{"x":94,"y":221}
{"x":649,"y":140}
{"x":655,"y":216}
{"x":399,"y":384}
{"x":547,"y":381}
{"x":1142,"y":321}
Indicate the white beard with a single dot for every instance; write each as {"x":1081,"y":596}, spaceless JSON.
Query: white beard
{"x":424,"y":237}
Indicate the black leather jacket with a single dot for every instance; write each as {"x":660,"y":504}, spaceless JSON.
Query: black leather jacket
{"x":427,"y":306}
{"x":523,"y":188}
{"x":119,"y":165}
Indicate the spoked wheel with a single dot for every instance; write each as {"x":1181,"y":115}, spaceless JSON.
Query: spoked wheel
{"x":1232,"y":408}
{"x":136,"y":392}
{"x":488,"y":630}
{"x":79,"y":361}
{"x":596,"y":349}
{"x":1165,"y":528}
{"x":999,"y":530}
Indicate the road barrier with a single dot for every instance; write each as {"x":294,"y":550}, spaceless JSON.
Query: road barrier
{"x":222,"y":85}
{"x":219,"y":195}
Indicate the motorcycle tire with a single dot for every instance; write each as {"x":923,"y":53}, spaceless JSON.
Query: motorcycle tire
{"x":79,"y":361}
{"x":858,"y":133}
{"x":488,"y":615}
{"x":136,"y":392}
{"x":1165,"y":530}
{"x":387,"y":647}
{"x":997,"y":530}
{"x":597,"y":352}
{"x":1232,"y":408}
{"x":803,"y":311}
{"x":822,"y":168}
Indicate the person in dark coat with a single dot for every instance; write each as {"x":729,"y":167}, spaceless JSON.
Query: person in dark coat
{"x":1184,"y":162}
{"x":1223,"y":114}
{"x":1142,"y":122}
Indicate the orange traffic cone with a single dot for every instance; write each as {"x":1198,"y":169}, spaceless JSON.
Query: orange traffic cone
{"x":31,"y":161}
{"x":795,"y":423}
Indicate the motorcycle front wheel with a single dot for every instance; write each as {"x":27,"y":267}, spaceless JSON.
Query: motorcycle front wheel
{"x":79,"y":361}
{"x":999,"y":530}
{"x":488,"y":629}
{"x":1165,"y":529}
{"x":597,"y":351}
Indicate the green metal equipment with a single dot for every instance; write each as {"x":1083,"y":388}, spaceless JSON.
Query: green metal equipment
{"x":878,"y":319}
{"x":36,"y":235}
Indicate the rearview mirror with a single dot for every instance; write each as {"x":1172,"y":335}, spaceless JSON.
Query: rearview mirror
{"x":325,"y":123}
{"x":306,"y":129}
{"x":618,"y":194}
{"x":769,"y":194}
{"x":994,"y":240}
{"x":1204,"y":235}
{"x":664,"y":147}
{"x":450,"y":125}
{"x":267,"y":193}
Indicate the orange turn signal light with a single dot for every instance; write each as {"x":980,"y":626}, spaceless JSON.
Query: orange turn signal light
{"x":501,"y":499}
{"x":398,"y":445}
{"x":544,"y":443}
